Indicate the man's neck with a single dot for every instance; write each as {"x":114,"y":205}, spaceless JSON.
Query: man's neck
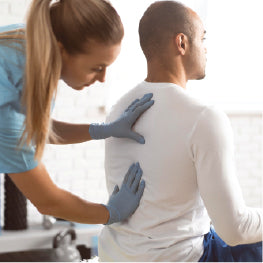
{"x":159,"y":73}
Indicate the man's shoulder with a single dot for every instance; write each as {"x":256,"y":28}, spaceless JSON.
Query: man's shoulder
{"x":212,"y":114}
{"x":168,"y":97}
{"x":162,"y":92}
{"x":212,"y":122}
{"x":125,"y":100}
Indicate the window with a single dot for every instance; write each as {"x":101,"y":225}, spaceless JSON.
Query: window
{"x":234,"y":60}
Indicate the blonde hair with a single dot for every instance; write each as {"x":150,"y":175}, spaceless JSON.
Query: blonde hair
{"x":16,"y":34}
{"x":72,"y":23}
{"x":7,"y":38}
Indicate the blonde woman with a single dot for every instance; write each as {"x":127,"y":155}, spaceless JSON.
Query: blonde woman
{"x":72,"y":40}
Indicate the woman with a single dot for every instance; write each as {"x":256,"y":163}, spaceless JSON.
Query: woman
{"x":72,"y":40}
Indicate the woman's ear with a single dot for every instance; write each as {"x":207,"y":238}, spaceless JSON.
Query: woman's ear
{"x":61,"y":48}
{"x":181,"y":43}
{"x":63,"y":52}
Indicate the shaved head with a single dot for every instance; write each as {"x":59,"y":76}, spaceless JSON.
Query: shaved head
{"x":160,"y":23}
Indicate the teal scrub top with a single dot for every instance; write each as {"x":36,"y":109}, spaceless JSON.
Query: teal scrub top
{"x":12,"y":114}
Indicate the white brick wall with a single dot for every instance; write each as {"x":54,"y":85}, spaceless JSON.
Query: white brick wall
{"x":248,"y":131}
{"x":79,"y":168}
{"x":13,"y":11}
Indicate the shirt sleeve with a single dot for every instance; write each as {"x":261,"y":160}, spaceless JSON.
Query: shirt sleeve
{"x":12,"y":158}
{"x":212,"y":148}
{"x":12,"y":61}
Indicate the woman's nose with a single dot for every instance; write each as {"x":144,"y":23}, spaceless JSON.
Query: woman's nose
{"x":101,"y":76}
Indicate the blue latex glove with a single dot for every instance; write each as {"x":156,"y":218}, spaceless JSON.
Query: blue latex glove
{"x":123,"y":202}
{"x":122,"y":127}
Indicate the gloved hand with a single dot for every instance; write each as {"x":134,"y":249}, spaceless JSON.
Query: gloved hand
{"x":124,"y":202}
{"x":122,"y":127}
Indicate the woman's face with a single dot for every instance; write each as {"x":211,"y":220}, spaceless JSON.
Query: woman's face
{"x":82,"y":70}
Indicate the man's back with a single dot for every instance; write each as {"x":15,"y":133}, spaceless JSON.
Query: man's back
{"x":171,"y":220}
{"x":188,"y":160}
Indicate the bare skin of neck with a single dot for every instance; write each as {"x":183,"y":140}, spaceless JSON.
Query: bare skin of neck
{"x":165,"y":73}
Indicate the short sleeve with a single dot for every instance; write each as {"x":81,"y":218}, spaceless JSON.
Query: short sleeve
{"x":12,"y":158}
{"x":12,"y":63}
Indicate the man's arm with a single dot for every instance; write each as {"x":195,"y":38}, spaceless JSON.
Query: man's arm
{"x":213,"y":154}
{"x":69,"y":133}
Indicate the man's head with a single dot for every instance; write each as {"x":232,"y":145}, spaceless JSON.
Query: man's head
{"x":173,"y":33}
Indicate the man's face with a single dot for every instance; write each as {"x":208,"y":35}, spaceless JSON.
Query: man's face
{"x":196,"y":58}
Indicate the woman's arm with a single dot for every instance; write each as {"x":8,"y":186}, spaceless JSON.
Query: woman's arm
{"x":49,"y":199}
{"x":69,"y":133}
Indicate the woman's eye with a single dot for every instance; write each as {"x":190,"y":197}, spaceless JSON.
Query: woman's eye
{"x":100,"y":69}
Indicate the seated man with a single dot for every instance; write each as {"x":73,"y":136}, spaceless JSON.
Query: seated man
{"x":187,"y":160}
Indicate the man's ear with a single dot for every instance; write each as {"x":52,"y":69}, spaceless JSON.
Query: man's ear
{"x":181,"y":43}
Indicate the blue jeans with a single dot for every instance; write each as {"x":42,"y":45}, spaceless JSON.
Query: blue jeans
{"x":216,"y":250}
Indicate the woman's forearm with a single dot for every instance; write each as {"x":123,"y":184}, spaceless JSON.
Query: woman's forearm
{"x":69,"y":133}
{"x":72,"y":208}
{"x":49,"y":199}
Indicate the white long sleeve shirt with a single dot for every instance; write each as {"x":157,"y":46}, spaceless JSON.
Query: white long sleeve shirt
{"x":188,"y":165}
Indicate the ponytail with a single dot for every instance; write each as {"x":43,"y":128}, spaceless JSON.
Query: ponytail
{"x":43,"y":69}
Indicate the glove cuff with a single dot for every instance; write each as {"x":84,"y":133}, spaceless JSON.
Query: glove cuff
{"x":114,"y":215}
{"x":99,"y":131}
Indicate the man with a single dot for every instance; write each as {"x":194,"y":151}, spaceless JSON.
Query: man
{"x":188,"y":158}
